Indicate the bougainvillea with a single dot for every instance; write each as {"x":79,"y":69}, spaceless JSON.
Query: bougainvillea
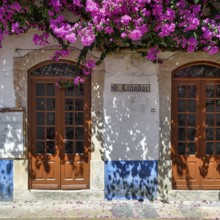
{"x":147,"y":26}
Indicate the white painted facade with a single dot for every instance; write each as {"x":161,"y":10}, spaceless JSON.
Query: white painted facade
{"x":131,"y":119}
{"x":125,"y":125}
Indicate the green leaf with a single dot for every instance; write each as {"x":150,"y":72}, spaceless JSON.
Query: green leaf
{"x":196,"y":1}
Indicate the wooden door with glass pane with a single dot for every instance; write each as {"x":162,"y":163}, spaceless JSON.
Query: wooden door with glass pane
{"x":210,"y":152}
{"x":196,"y":128}
{"x":185,"y":134}
{"x":75,"y":136}
{"x":59,"y":134}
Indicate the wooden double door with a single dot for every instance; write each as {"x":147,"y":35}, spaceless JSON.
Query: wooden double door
{"x":59,"y":134}
{"x":196,"y":133}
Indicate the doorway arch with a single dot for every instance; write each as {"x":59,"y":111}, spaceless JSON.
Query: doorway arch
{"x":59,"y":117}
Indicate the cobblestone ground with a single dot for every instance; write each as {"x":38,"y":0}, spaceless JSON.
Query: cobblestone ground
{"x":109,"y":210}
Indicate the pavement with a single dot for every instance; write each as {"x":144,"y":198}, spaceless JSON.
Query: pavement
{"x":122,"y":209}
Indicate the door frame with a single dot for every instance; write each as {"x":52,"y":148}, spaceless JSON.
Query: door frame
{"x":29,"y":121}
{"x":202,"y":100}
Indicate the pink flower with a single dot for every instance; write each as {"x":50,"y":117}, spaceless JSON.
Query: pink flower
{"x":50,"y":13}
{"x":16,"y":6}
{"x":15,"y":27}
{"x":135,"y":35}
{"x":56,"y":4}
{"x":123,"y":35}
{"x":92,"y":6}
{"x":71,"y":37}
{"x":173,"y":24}
{"x":170,"y":14}
{"x":81,"y":80}
{"x":60,"y":53}
{"x":77,"y":80}
{"x":152,"y":53}
{"x":42,"y":39}
{"x":207,"y":33}
{"x":146,"y":12}
{"x":36,"y":39}
{"x":87,"y":36}
{"x":192,"y":44}
{"x":77,"y":3}
{"x":213,"y":50}
{"x":167,"y":29}
{"x":125,"y":19}
{"x":86,"y":72}
{"x":90,"y":64}
{"x":109,"y":30}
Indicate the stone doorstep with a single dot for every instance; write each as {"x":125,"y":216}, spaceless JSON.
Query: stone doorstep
{"x":88,"y":195}
{"x":58,"y":195}
{"x":193,"y":195}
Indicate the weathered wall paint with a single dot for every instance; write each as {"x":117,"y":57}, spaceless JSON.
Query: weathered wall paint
{"x":131,"y":119}
{"x":124,"y":128}
{"x":6,"y":180}
{"x":131,"y":180}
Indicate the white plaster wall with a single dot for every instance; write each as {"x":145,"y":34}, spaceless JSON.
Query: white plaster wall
{"x":131,"y":130}
{"x":12,"y":46}
{"x":15,"y":46}
{"x":7,"y":52}
{"x":6,"y":75}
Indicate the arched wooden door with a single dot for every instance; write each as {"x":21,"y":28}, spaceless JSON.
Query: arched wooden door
{"x":196,"y":127}
{"x":59,"y":129}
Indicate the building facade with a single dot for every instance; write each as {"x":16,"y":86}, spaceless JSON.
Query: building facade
{"x":133,"y":130}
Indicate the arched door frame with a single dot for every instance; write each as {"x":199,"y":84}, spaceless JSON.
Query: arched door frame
{"x":61,"y":168}
{"x":24,"y":60}
{"x":194,"y":63}
{"x":194,"y":173}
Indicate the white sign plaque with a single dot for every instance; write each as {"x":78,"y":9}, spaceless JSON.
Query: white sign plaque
{"x":11,"y":134}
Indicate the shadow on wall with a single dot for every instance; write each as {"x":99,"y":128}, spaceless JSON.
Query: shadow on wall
{"x":11,"y":134}
{"x":131,"y":130}
{"x":130,"y":147}
{"x":6,"y":180}
{"x":165,"y":166}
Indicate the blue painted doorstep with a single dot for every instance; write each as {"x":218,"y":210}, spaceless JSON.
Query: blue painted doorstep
{"x":6,"y":180}
{"x":131,"y":180}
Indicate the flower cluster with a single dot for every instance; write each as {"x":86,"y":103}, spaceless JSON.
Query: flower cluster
{"x":88,"y":67}
{"x":107,"y":25}
{"x":61,"y":83}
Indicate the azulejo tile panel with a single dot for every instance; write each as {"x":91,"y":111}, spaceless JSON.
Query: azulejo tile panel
{"x":6,"y":180}
{"x":135,"y":180}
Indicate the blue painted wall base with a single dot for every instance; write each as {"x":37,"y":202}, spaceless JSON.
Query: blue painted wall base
{"x":135,"y":180}
{"x":6,"y":180}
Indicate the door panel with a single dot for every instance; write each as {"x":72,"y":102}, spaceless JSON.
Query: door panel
{"x":45,"y":168}
{"x":196,"y":133}
{"x":211,"y":138}
{"x":185,"y":143}
{"x":75,"y":137}
{"x":59,"y":136}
